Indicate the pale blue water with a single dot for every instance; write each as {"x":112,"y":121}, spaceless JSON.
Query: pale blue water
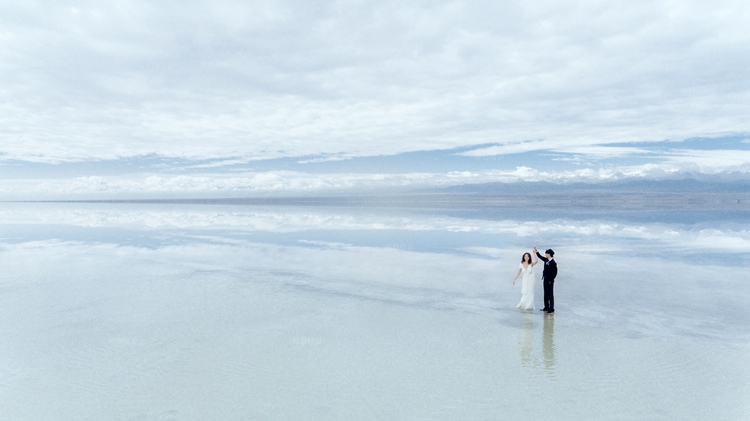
{"x":195,"y":312}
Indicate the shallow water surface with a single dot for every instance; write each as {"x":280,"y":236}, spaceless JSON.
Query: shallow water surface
{"x":195,"y":312}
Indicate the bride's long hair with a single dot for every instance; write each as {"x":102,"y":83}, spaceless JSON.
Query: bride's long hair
{"x":523,"y":258}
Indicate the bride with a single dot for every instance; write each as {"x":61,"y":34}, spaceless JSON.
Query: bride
{"x":527,"y":284}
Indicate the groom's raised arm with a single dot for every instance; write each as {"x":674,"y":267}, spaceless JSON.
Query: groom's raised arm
{"x":543,"y":259}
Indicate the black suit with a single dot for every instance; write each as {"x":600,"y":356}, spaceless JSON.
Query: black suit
{"x":548,"y":280}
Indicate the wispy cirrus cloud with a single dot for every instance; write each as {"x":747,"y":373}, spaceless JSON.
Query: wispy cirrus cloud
{"x":591,"y":151}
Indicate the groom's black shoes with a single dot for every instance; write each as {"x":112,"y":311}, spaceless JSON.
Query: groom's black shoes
{"x":544,"y":309}
{"x":550,"y":311}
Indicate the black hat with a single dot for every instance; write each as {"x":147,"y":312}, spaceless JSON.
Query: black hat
{"x":550,"y":252}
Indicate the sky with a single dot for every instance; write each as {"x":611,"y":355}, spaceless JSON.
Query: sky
{"x":129,"y":98}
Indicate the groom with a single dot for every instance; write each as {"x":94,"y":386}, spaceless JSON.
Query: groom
{"x":548,"y":279}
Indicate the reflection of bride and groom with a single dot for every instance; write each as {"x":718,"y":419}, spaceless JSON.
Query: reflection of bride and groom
{"x":526,"y":343}
{"x":527,"y":283}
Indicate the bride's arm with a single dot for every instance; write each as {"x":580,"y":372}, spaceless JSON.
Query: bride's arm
{"x":536,"y":260}
{"x":514,"y":279}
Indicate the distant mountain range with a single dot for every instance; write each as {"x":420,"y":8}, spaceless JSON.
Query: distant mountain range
{"x":689,"y":185}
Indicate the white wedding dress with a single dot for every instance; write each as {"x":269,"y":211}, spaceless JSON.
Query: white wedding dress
{"x":527,"y":288}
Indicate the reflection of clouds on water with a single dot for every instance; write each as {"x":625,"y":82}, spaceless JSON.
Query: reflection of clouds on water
{"x":318,"y":303}
{"x":642,"y":271}
{"x":324,"y":265}
{"x":598,"y":232}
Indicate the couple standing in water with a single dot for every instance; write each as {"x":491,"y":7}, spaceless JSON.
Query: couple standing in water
{"x":527,"y":283}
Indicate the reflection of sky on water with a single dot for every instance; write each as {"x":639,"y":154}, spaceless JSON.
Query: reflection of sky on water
{"x":611,"y":266}
{"x":405,"y":305}
{"x":405,"y":230}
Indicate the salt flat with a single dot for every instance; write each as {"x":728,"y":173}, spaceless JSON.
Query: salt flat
{"x":179,"y":312}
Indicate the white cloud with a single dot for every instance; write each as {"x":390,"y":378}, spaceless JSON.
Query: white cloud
{"x":238,"y":80}
{"x":324,"y":159}
{"x":712,"y":161}
{"x":509,"y":148}
{"x":292,"y":182}
{"x":591,"y":151}
{"x":604,"y":151}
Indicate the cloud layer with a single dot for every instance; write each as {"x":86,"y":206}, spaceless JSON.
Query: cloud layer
{"x":301,"y":183}
{"x":271,"y":79}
